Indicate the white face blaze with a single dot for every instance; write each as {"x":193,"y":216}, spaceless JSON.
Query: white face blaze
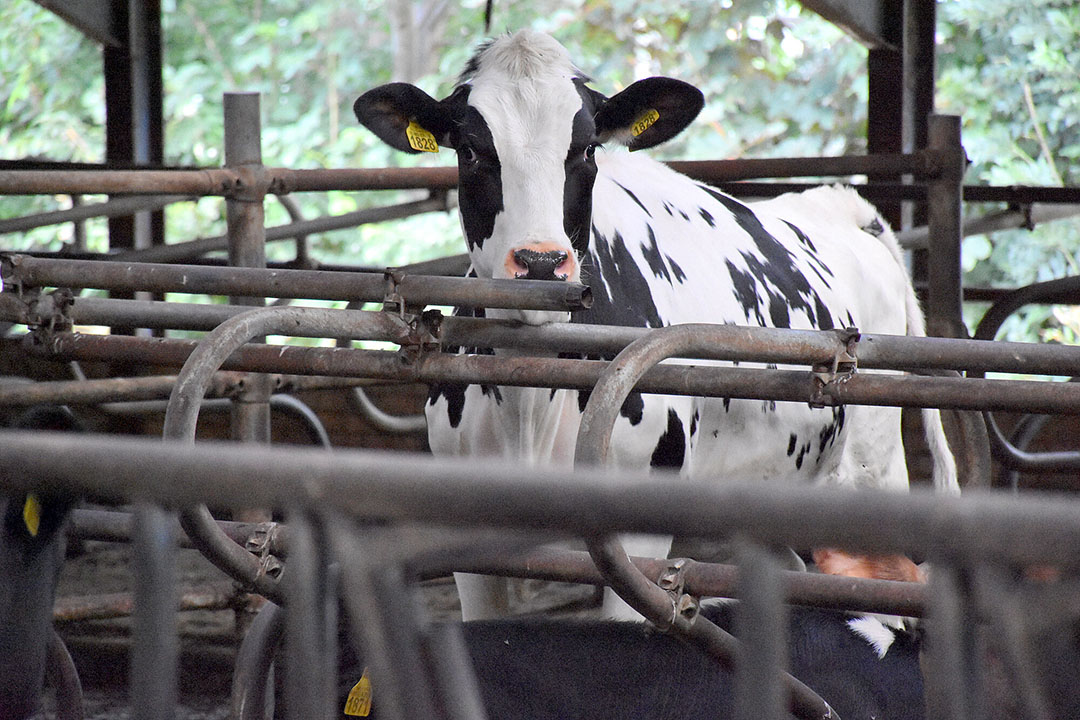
{"x":525,"y":92}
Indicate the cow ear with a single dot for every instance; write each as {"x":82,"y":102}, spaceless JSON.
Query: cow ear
{"x":648,"y":112}
{"x":405,"y":117}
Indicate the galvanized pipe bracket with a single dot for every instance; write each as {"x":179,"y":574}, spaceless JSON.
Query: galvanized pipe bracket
{"x":673,"y":581}
{"x":838,"y":371}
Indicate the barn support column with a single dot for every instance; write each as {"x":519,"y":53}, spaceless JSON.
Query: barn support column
{"x":944,"y":306}
{"x":134,"y":116}
{"x":245,"y":218}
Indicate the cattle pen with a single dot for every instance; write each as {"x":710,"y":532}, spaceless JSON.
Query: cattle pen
{"x":372,"y":524}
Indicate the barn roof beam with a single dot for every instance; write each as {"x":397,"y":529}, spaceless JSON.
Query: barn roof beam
{"x":875,"y":23}
{"x":97,"y":19}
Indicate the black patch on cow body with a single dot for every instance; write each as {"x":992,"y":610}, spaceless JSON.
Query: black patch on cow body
{"x":633,"y":408}
{"x":792,"y":440}
{"x":694,"y":423}
{"x":771,"y":274}
{"x":623,"y":297}
{"x":671,"y":448}
{"x":802,"y":454}
{"x":676,"y":271}
{"x":634,"y":197}
{"x":455,"y":400}
{"x":707,"y":217}
{"x":455,"y":392}
{"x":651,"y":252}
{"x":828,"y":434}
{"x":816,"y":264}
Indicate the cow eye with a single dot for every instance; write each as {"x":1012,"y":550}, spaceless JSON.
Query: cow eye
{"x":466,"y":155}
{"x":590,"y":150}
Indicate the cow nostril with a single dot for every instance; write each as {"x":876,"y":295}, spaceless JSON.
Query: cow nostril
{"x":519,"y":265}
{"x":562,"y":270}
{"x":531,"y":264}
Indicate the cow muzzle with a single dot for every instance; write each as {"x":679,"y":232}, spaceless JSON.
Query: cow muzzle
{"x":540,"y":263}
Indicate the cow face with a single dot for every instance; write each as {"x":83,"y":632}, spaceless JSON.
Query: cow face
{"x":526,"y":129}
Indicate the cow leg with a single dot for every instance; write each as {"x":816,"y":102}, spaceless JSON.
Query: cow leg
{"x":483,"y":597}
{"x":646,"y":546}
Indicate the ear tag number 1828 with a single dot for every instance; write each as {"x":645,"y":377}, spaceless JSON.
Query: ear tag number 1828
{"x":420,"y":139}
{"x":644,"y":122}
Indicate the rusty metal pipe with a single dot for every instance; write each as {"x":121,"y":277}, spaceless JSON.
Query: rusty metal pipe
{"x":716,"y":342}
{"x":715,"y":580}
{"x":179,"y":252}
{"x":457,"y":491}
{"x":110,"y":208}
{"x":27,"y":271}
{"x":116,"y":605}
{"x":732,"y":382}
{"x":212,"y":181}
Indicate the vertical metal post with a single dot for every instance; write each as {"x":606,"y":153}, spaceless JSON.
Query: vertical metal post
{"x":944,"y":316}
{"x":760,"y":624}
{"x":247,"y":248}
{"x":244,"y":212}
{"x":155,"y":655}
{"x":945,"y":662}
{"x":310,"y":627}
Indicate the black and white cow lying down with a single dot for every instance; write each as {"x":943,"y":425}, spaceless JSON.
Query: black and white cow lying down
{"x":553,"y":670}
{"x":543,"y":194}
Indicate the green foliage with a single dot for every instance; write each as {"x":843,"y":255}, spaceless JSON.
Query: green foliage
{"x":1009,"y":69}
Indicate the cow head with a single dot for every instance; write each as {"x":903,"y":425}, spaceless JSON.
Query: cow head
{"x":526,"y":129}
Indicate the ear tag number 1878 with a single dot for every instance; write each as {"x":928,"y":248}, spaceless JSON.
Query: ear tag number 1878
{"x":420,"y":139}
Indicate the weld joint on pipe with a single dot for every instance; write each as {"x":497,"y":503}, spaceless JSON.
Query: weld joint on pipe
{"x":251,"y":183}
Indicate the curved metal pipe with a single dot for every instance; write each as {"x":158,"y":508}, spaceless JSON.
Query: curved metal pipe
{"x":294,"y":407}
{"x":1014,"y":458}
{"x":65,"y":680}
{"x":253,"y":661}
{"x":181,"y":415}
{"x":1025,"y":430}
{"x":399,"y":424}
{"x":593,"y":443}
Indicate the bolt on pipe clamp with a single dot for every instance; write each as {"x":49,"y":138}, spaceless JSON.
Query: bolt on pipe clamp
{"x":841,"y":368}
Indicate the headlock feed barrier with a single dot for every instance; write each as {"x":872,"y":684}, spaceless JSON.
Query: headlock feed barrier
{"x":361,"y":526}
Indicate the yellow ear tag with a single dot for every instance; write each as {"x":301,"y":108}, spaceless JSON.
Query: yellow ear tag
{"x":644,"y":122}
{"x":420,"y":139}
{"x":31,"y":514}
{"x":358,"y":704}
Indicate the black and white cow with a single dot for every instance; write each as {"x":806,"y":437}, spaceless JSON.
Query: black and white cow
{"x":542,"y":196}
